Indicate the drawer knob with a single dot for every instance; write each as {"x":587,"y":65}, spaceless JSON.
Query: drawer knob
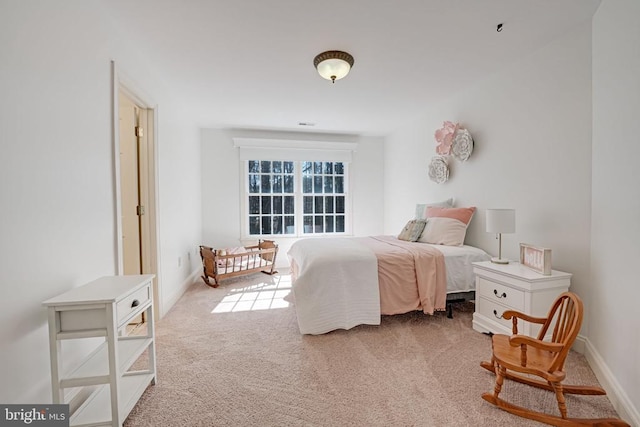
{"x":495,"y":313}
{"x":495,"y":292}
{"x":135,"y":303}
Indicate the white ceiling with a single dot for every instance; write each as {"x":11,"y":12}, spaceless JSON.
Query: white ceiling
{"x":249,"y":63}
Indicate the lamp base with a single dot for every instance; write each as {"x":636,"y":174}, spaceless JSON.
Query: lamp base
{"x":499,"y":260}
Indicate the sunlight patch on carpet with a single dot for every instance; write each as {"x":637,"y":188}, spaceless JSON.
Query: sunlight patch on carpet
{"x":261,"y":296}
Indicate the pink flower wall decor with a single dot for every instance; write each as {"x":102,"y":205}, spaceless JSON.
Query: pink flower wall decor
{"x":451,"y":140}
{"x":444,"y":137}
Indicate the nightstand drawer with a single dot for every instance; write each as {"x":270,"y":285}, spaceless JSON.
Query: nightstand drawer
{"x":131,"y":305}
{"x":493,"y":311}
{"x":495,"y":292}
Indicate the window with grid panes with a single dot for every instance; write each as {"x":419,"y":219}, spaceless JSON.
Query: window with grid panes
{"x":290,"y":198}
{"x":271,"y":197}
{"x":323,"y":197}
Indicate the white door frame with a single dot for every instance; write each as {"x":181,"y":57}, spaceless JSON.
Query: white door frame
{"x":150,"y":262}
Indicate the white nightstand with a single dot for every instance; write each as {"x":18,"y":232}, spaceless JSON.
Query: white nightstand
{"x":501,"y":287}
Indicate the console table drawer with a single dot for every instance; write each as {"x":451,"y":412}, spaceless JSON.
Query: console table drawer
{"x":132,"y":304}
{"x":496,"y":292}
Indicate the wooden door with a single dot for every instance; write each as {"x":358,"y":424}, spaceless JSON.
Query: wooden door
{"x":131,"y":208}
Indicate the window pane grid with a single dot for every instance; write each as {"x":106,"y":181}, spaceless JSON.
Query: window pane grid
{"x":272,"y":201}
{"x":323,"y":204}
{"x":271,"y":206}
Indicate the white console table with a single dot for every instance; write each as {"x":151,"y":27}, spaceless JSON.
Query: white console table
{"x":105,"y":389}
{"x":502,"y":287}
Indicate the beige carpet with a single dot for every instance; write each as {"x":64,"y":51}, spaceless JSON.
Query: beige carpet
{"x":233,"y":356}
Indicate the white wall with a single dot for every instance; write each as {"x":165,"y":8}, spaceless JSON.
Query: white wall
{"x":615,"y":229}
{"x":57,"y":220}
{"x":221,"y":185}
{"x":180,"y":205}
{"x":531,"y":127}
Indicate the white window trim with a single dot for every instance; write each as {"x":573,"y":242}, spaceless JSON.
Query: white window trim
{"x":295,"y":150}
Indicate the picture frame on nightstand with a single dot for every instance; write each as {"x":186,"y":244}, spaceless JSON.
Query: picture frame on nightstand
{"x":536,"y":258}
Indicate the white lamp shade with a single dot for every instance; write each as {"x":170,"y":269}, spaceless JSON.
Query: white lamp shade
{"x":333,"y":69}
{"x":501,"y":221}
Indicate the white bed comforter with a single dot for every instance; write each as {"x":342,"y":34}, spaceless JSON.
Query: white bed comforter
{"x":347,"y":302}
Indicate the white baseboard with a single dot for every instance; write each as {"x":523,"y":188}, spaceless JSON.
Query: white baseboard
{"x":173,"y":299}
{"x":618,"y":397}
{"x":580,"y":344}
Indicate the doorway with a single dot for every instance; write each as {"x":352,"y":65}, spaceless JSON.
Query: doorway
{"x":135,"y":176}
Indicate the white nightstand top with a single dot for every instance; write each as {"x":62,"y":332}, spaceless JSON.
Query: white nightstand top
{"x":519,"y":271}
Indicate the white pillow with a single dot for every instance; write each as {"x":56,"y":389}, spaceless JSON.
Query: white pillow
{"x":421,"y":208}
{"x":443,"y":231}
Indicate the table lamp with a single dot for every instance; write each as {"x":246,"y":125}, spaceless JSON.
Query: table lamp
{"x":501,"y":221}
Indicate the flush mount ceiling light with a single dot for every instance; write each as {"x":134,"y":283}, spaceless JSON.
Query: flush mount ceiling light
{"x":333,"y":64}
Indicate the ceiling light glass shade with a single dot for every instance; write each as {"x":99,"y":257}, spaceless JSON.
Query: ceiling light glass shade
{"x":333,"y":65}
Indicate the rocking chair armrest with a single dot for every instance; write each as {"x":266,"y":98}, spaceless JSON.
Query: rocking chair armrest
{"x":512,"y":313}
{"x":518,"y":340}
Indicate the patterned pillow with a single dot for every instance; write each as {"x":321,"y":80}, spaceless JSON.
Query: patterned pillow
{"x":447,"y":226}
{"x":412,"y":231}
{"x":421,"y":208}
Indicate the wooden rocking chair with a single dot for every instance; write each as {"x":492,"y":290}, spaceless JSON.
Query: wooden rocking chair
{"x":544,"y":359}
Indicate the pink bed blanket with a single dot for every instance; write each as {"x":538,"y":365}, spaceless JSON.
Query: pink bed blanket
{"x":411,"y":276}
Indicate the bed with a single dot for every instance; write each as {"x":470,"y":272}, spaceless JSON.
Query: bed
{"x":339,"y":283}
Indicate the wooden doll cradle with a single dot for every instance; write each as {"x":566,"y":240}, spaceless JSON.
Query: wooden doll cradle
{"x":219,"y":264}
